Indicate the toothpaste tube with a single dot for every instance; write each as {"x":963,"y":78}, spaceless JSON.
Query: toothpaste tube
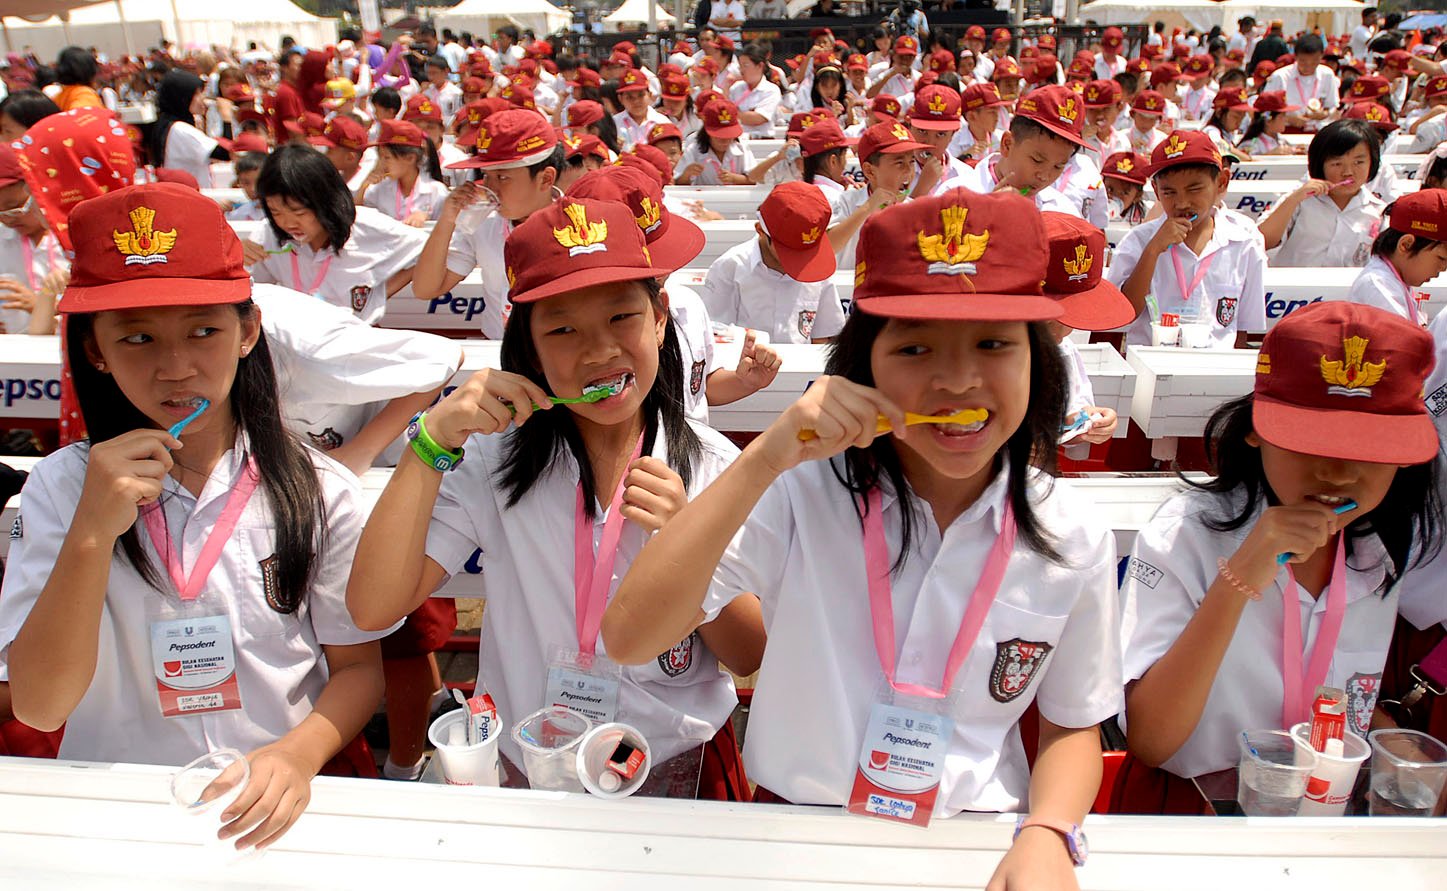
{"x":1328,"y":716}
{"x":1170,"y":319}
{"x":625,"y":760}
{"x":481,"y":718}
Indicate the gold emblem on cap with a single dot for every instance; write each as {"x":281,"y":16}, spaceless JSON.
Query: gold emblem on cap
{"x":582,"y":237}
{"x":1352,"y":375}
{"x":811,"y":236}
{"x":1263,"y":363}
{"x":953,"y":252}
{"x":529,"y":143}
{"x":1067,"y":111}
{"x":143,"y":244}
{"x":937,"y":103}
{"x":1124,"y":165}
{"x":1079,"y":267}
{"x":1175,"y":147}
{"x":652,"y":215}
{"x":484,"y":140}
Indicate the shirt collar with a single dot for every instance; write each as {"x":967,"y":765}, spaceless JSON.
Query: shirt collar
{"x":990,"y":505}
{"x":223,"y":477}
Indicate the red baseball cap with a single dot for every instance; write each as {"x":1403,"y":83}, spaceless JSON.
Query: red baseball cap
{"x":1148,"y":102}
{"x":1005,"y":68}
{"x":1112,"y":38}
{"x":1423,"y":214}
{"x":954,"y":256}
{"x":618,"y":60}
{"x":1273,"y":101}
{"x":474,"y":85}
{"x":72,"y":156}
{"x":508,"y":139}
{"x":1368,"y":88}
{"x":1183,"y":147}
{"x":1283,"y":60}
{"x":1167,"y":71}
{"x":978,"y":96}
{"x":906,"y":46}
{"x":702,"y":100}
{"x":1373,"y":113}
{"x":1130,"y":167}
{"x":1057,"y":109}
{"x":585,"y":112}
{"x":1074,"y":274}
{"x":936,"y":108}
{"x":1231,"y":99}
{"x":471,"y":116}
{"x":889,"y":137}
{"x":341,"y":132}
{"x":625,"y":46}
{"x":659,"y":132}
{"x":975,"y":32}
{"x":1235,"y":55}
{"x":10,"y":172}
{"x":1199,"y":65}
{"x":1140,"y":64}
{"x":999,"y":35}
{"x":420,"y":108}
{"x":1046,"y":42}
{"x":795,"y":216}
{"x":856,"y":62}
{"x":672,"y":240}
{"x":575,"y":243}
{"x":1080,"y":70}
{"x":885,"y":104}
{"x":249,"y":141}
{"x":1436,"y":86}
{"x":705,"y":65}
{"x":1397,"y":59}
{"x":725,"y":42}
{"x":651,"y":160}
{"x":240,"y":93}
{"x":178,"y":177}
{"x":131,"y":238}
{"x":1344,"y":380}
{"x":721,"y":119}
{"x":1028,"y":52}
{"x":402,"y":133}
{"x":309,"y":125}
{"x":800,"y":121}
{"x":675,"y":86}
{"x":519,"y":96}
{"x":1044,"y":68}
{"x":942,"y":60}
{"x":926,"y":79}
{"x":632,"y":81}
{"x":824,"y":136}
{"x":587,"y":77}
{"x":587,"y":144}
{"x":1264,"y":69}
{"x":1101,"y":93}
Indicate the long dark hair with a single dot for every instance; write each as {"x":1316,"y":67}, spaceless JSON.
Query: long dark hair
{"x":297,"y":172}
{"x":1033,"y":444}
{"x":288,"y":476}
{"x":533,"y":449}
{"x":173,"y":105}
{"x":1257,"y":127}
{"x":428,"y":164}
{"x":1407,"y":515}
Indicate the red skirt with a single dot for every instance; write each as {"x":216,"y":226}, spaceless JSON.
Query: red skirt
{"x":427,"y":628}
{"x":23,"y":741}
{"x":721,"y":776}
{"x":1410,"y":646}
{"x":1140,"y":789}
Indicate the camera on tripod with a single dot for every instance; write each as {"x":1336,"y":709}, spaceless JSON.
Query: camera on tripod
{"x":898,"y":22}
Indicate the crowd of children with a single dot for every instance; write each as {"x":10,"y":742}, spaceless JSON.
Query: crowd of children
{"x":223,"y":394}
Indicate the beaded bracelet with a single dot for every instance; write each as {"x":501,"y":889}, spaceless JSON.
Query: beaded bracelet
{"x":1235,"y":581}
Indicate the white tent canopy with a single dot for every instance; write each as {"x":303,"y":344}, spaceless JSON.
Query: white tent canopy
{"x":635,"y":11}
{"x":1198,"y":14}
{"x":483,"y":17}
{"x":1335,"y":16}
{"x":189,"y":23}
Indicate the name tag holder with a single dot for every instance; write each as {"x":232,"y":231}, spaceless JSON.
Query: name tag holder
{"x":902,"y":758}
{"x":586,"y":683}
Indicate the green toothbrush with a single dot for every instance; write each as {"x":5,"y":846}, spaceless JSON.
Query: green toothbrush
{"x":591,"y":394}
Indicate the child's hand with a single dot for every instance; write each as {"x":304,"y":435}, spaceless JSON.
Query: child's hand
{"x":279,"y":791}
{"x":460,"y":198}
{"x":1312,"y":188}
{"x":1037,"y":861}
{"x":1173,"y":231}
{"x":14,"y":295}
{"x":653,"y":493}
{"x":836,"y":413}
{"x":1295,"y":529}
{"x":758,"y":363}
{"x":252,"y":253}
{"x":879,"y":199}
{"x":416,"y":219}
{"x":121,"y":475}
{"x":487,"y":403}
{"x":734,"y":179}
{"x":378,"y":173}
{"x":1099,"y":431}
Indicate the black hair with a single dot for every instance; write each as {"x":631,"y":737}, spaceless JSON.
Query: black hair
{"x":607,"y":131}
{"x":758,"y":55}
{"x":1309,"y":45}
{"x":510,"y":32}
{"x":813,"y":163}
{"x":75,"y":67}
{"x":285,"y":58}
{"x":1437,"y":171}
{"x":1218,"y":120}
{"x":608,"y":96}
{"x":816,"y":100}
{"x":439,"y":62}
{"x":533,"y":450}
{"x":566,"y":62}
{"x":426,"y":156}
{"x":26,"y":107}
{"x":1407,"y":515}
{"x":1237,"y":75}
{"x":949,"y":79}
{"x":1024,"y":128}
{"x":1034,"y":443}
{"x":173,"y":106}
{"x":388,"y":97}
{"x":288,"y":476}
{"x":1257,"y":127}
{"x":554,"y":160}
{"x":297,"y":172}
{"x":429,"y":31}
{"x":1387,"y":240}
{"x":1338,"y":138}
{"x":1210,"y":170}
{"x":1129,"y":81}
{"x":701,"y":140}
{"x":1383,"y":43}
{"x":249,"y":161}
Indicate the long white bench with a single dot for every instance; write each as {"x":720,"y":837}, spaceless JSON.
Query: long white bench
{"x":1177,"y":390}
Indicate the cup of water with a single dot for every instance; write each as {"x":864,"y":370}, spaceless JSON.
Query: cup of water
{"x":1408,"y":772}
{"x":207,"y":786}
{"x":1272,"y":774}
{"x":549,"y":738}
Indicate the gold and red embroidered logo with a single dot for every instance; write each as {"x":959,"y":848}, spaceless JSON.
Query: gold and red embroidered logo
{"x":1376,"y":113}
{"x":651,"y":217}
{"x":484,"y":141}
{"x":726,"y":117}
{"x":953,"y":251}
{"x":1263,"y":363}
{"x":1175,"y":147}
{"x":1352,"y":375}
{"x":1067,"y":111}
{"x":143,"y":244}
{"x":937,"y":103}
{"x":583,"y":236}
{"x":1423,"y":226}
{"x":1092,"y":94}
{"x":810,"y":237}
{"x":1078,"y":268}
{"x":530,"y":143}
{"x":512,"y":279}
{"x":656,"y":132}
{"x":900,"y":133}
{"x":1124,"y":165}
{"x":859,"y":273}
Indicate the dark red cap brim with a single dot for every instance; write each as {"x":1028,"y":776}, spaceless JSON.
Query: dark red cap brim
{"x":1101,"y":308}
{"x":962,"y":308}
{"x":809,"y":265}
{"x":677,"y":243}
{"x":1346,"y":435}
{"x":733,"y":131}
{"x":935,"y":124}
{"x":145,"y":293}
{"x":586,"y":278}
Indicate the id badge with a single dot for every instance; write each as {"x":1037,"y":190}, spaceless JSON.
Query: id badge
{"x":901,"y":761}
{"x":586,"y":684}
{"x":194,"y":661}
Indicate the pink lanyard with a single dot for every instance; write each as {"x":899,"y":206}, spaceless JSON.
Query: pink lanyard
{"x":1301,"y":91}
{"x":1413,"y":308}
{"x":881,"y":603}
{"x":404,"y":212}
{"x":590,"y":587}
{"x":28,"y":250}
{"x":189,"y":587}
{"x":728,"y":163}
{"x":317,"y":283}
{"x":1300,"y":688}
{"x":1202,"y":267}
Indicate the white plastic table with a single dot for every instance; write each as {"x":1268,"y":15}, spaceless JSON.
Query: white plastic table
{"x":1177,"y":389}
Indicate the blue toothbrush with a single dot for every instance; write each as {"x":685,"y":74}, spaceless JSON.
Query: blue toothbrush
{"x":182,"y":424}
{"x":1338,"y":510}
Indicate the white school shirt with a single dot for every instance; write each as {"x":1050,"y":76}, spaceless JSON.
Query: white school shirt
{"x":379,"y":247}
{"x":1140,"y":142}
{"x":763,"y":99}
{"x":1379,"y":285}
{"x":279,"y":663}
{"x":631,"y":133}
{"x":1080,"y":393}
{"x":981,"y":178}
{"x":1082,"y":185}
{"x":527,"y":558}
{"x":1115,"y":141}
{"x":849,"y":202}
{"x":448,"y":99}
{"x":1301,"y":89}
{"x":1427,"y":137}
{"x":1196,"y":103}
{"x":898,"y":86}
{"x":247,"y":211}
{"x":447,"y":153}
{"x":1320,"y":234}
{"x":335,"y":371}
{"x":190,"y":150}
{"x":428,"y":195}
{"x":833,"y":193}
{"x":1105,"y":69}
{"x":694,"y":328}
{"x":738,"y":159}
{"x":801,"y":551}
{"x":43,"y":257}
{"x":1170,"y":569}
{"x":1234,"y":287}
{"x":1422,"y":602}
{"x":740,"y":290}
{"x":477,"y":243}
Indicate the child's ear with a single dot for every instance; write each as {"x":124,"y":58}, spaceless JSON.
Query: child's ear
{"x":1253,"y":440}
{"x":1223,"y":180}
{"x":1406,"y":243}
{"x":92,"y":353}
{"x":1007,"y":142}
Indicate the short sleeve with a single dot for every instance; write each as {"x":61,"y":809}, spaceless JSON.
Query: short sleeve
{"x":755,"y":560}
{"x":1252,"y":315}
{"x":462,"y":250}
{"x":327,"y":597}
{"x":1082,"y":686}
{"x":720,"y":291}
{"x":830,"y":318}
{"x":1127,"y":254}
{"x":452,"y":535}
{"x":1161,"y":591}
{"x":393,"y":245}
{"x":35,"y":542}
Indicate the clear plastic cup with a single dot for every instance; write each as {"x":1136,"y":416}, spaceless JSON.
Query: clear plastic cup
{"x":549,"y":738}
{"x":207,"y":786}
{"x":1195,"y":335}
{"x":1408,"y":772}
{"x":1329,"y":789}
{"x":1272,"y":774}
{"x":593,"y":752}
{"x":464,"y":765}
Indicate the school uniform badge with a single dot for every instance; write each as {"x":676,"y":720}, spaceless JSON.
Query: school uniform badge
{"x":17,"y":529}
{"x":1016,"y":664}
{"x":326,"y":440}
{"x":695,"y":377}
{"x":270,"y":588}
{"x":679,"y":659}
{"x":1226,"y":310}
{"x":806,"y":322}
{"x":359,"y":296}
{"x":1362,"y":691}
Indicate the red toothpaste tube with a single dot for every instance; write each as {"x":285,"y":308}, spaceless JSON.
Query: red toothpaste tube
{"x":1170,"y":319}
{"x":625,"y":760}
{"x":481,"y":718}
{"x":1328,"y":716}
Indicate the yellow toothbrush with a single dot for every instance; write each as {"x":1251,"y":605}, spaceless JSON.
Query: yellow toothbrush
{"x":968,"y":416}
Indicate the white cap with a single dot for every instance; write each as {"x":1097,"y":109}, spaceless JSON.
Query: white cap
{"x":1335,"y":748}
{"x":609,"y":781}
